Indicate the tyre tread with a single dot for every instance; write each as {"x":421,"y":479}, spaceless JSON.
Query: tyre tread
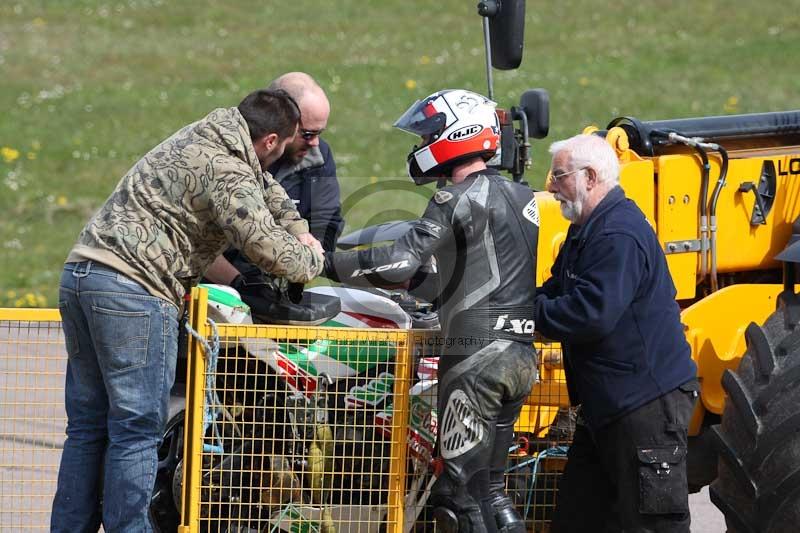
{"x":761,"y":419}
{"x":739,"y":396}
{"x":763,"y":356}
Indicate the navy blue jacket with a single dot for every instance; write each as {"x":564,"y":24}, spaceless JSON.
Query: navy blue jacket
{"x":611,"y":303}
{"x":313,"y":186}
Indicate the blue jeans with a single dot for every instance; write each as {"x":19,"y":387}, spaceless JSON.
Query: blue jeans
{"x":122,"y":350}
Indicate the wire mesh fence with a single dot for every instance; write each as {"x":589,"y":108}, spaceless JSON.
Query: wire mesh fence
{"x":287,"y":429}
{"x":300,"y":430}
{"x":543,"y":432}
{"x":32,"y":419}
{"x":536,"y":458}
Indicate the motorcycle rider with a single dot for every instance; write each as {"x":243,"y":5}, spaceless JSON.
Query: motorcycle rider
{"x":482,"y":232}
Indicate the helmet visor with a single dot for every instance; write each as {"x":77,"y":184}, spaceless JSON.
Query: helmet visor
{"x":422,"y":119}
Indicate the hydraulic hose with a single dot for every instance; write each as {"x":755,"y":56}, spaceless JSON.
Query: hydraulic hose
{"x":704,"y":211}
{"x":723,"y":172}
{"x":708,"y":210}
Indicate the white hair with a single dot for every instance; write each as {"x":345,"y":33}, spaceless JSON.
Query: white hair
{"x":590,"y":151}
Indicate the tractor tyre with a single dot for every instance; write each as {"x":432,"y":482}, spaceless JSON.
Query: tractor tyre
{"x":758,"y":484}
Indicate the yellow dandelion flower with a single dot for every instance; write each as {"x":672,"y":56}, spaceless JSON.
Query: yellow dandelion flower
{"x":9,"y":155}
{"x":31,"y":155}
{"x":424,"y":60}
{"x":10,"y":295}
{"x":36,"y":145}
{"x":584,"y":81}
{"x":731,"y":104}
{"x":373,"y":179}
{"x":30,"y":299}
{"x":411,"y":84}
{"x":20,"y":302}
{"x":41,"y":301}
{"x":61,"y":201}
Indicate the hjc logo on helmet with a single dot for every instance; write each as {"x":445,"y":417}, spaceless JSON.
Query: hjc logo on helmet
{"x":467,"y":132}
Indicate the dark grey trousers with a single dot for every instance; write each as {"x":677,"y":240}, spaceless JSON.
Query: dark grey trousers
{"x":630,"y":476}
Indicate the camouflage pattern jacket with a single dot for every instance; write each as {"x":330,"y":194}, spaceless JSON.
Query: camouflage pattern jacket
{"x":198,"y":192}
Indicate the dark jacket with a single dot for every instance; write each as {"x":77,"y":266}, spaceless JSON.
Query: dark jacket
{"x":611,"y":303}
{"x":313,"y":186}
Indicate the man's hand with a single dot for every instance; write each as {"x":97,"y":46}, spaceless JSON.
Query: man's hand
{"x":310,"y":240}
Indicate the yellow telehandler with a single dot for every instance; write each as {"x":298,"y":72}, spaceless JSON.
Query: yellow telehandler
{"x":723,"y":195}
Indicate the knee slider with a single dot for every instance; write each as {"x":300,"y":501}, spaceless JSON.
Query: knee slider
{"x":454,"y":510}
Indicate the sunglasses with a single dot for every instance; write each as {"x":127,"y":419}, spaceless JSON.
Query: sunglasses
{"x":307,"y":135}
{"x":556,"y":178}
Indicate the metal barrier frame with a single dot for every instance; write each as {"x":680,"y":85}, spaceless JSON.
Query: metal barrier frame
{"x":29,"y":315}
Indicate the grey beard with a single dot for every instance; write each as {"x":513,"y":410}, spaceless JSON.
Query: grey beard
{"x":571,"y":210}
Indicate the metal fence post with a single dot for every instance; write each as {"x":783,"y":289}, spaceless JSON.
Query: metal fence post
{"x":193,"y":435}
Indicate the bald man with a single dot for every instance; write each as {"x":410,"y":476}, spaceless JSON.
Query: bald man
{"x":307,"y":170}
{"x":308,"y":174}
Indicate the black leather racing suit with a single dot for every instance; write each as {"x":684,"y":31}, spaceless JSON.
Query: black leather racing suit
{"x":483,"y":234}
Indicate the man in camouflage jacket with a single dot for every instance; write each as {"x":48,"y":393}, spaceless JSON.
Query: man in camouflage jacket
{"x":307,"y":172}
{"x":171,"y":215}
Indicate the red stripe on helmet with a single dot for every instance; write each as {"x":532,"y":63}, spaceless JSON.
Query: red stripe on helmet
{"x":444,"y":150}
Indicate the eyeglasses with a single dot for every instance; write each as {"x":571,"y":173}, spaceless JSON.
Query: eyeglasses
{"x":556,"y":178}
{"x":307,"y":135}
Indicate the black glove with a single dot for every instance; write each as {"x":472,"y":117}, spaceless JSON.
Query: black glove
{"x":328,"y":270}
{"x":259,"y":295}
{"x":295,"y":292}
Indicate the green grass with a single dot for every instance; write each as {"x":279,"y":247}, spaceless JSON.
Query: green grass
{"x":89,"y":86}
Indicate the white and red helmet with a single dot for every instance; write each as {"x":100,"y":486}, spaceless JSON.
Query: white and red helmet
{"x":455,"y":125}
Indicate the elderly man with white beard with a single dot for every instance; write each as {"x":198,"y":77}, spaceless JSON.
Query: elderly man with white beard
{"x":611,"y":304}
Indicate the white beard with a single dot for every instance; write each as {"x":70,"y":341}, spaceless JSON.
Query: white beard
{"x":571,"y":210}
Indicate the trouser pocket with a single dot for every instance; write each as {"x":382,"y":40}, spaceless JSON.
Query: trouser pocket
{"x":662,"y":479}
{"x":121,"y":337}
